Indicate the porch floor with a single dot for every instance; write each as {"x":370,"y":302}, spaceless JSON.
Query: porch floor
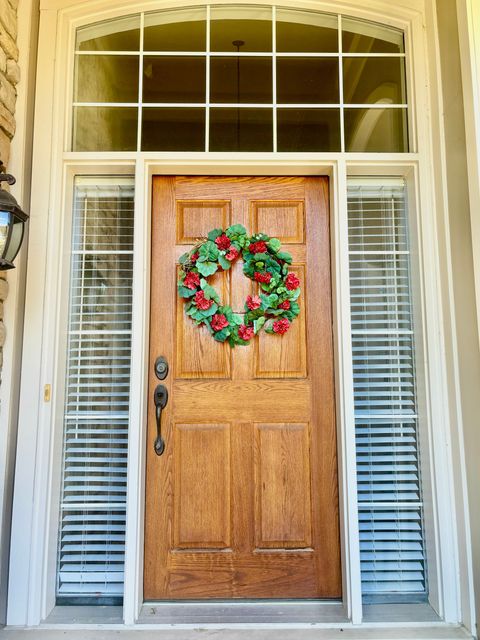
{"x":377,"y":633}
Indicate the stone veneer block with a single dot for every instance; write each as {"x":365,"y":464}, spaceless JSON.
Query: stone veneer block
{"x":9,"y":78}
{"x":8,"y":17}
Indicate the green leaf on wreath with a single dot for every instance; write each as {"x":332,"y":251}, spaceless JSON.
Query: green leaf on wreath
{"x":249,"y":269}
{"x":214,"y":234}
{"x":207,"y":268}
{"x":286,"y":257}
{"x":199,"y":315}
{"x":209,"y":291}
{"x":208,"y":251}
{"x":208,"y":313}
{"x":268,"y":301}
{"x":236,"y":230}
{"x":274,"y":244}
{"x":184,"y":258}
{"x":258,"y":323}
{"x":224,"y":263}
{"x":273,"y":266}
{"x":185,"y":292}
{"x":295,"y":309}
{"x":293,"y":295}
{"x":222,"y":335}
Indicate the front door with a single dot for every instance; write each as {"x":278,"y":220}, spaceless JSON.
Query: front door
{"x":243,"y":503}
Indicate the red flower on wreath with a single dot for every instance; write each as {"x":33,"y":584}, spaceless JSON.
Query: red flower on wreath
{"x":258,"y":247}
{"x":232,"y":254}
{"x":253,"y":302}
{"x":281,"y":326}
{"x":262,"y":277}
{"x":284,"y":305}
{"x":219,"y":322}
{"x":202,"y":302}
{"x":246,"y":332}
{"x":292,"y":282}
{"x":192,"y":280}
{"x":194,"y":257}
{"x":223,"y":242}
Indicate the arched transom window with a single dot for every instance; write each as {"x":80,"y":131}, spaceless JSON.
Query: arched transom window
{"x":238,"y":78}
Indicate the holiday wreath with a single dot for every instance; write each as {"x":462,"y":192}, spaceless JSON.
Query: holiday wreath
{"x":264,"y":263}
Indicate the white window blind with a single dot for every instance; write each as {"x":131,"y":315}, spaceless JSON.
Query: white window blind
{"x":93,"y":500}
{"x":389,"y":487}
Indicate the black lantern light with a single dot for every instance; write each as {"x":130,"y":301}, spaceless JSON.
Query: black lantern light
{"x":12,"y":223}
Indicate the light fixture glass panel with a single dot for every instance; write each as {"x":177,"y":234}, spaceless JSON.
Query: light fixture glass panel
{"x":15,"y":240}
{"x":105,"y":128}
{"x":374,"y":80}
{"x":4,"y":226}
{"x":122,"y":34}
{"x":237,"y":79}
{"x":360,"y":36}
{"x":307,"y":80}
{"x":376,"y":130}
{"x":308,"y":130}
{"x":173,"y":129}
{"x":177,"y":30}
{"x":250,"y":26}
{"x":242,"y":129}
{"x":174,"y":79}
{"x":106,"y":78}
{"x":306,"y":32}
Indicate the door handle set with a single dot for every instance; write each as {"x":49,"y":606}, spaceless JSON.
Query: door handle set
{"x":160,"y":399}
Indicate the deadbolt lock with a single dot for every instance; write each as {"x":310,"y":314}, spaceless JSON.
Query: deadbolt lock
{"x":161,"y":368}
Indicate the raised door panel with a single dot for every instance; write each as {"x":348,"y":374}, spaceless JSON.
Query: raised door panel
{"x":197,"y":354}
{"x":195,"y":218}
{"x":282,"y":219}
{"x":202,"y":486}
{"x":282,"y":486}
{"x":285,"y":356}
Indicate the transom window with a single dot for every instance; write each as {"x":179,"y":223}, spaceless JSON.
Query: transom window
{"x":239,"y":78}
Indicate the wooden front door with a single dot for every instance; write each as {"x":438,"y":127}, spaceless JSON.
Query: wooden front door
{"x":243,"y":502}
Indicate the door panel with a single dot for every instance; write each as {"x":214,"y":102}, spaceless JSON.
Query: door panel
{"x":202,"y":474}
{"x":282,"y":486}
{"x":197,"y":354}
{"x":243,"y":503}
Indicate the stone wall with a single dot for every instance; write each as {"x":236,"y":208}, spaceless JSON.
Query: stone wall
{"x":9,"y":77}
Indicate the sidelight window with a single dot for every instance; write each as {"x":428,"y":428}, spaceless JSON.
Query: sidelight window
{"x":392,"y":545}
{"x":93,"y":502}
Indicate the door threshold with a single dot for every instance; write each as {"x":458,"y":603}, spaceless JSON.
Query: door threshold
{"x":243,"y":612}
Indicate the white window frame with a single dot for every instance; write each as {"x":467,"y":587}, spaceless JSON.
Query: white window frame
{"x":35,"y":514}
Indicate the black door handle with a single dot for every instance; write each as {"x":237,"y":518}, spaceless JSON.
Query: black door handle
{"x":160,"y":398}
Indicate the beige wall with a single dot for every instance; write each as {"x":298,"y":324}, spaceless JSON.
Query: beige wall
{"x":464,"y":312}
{"x":468,"y":12}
